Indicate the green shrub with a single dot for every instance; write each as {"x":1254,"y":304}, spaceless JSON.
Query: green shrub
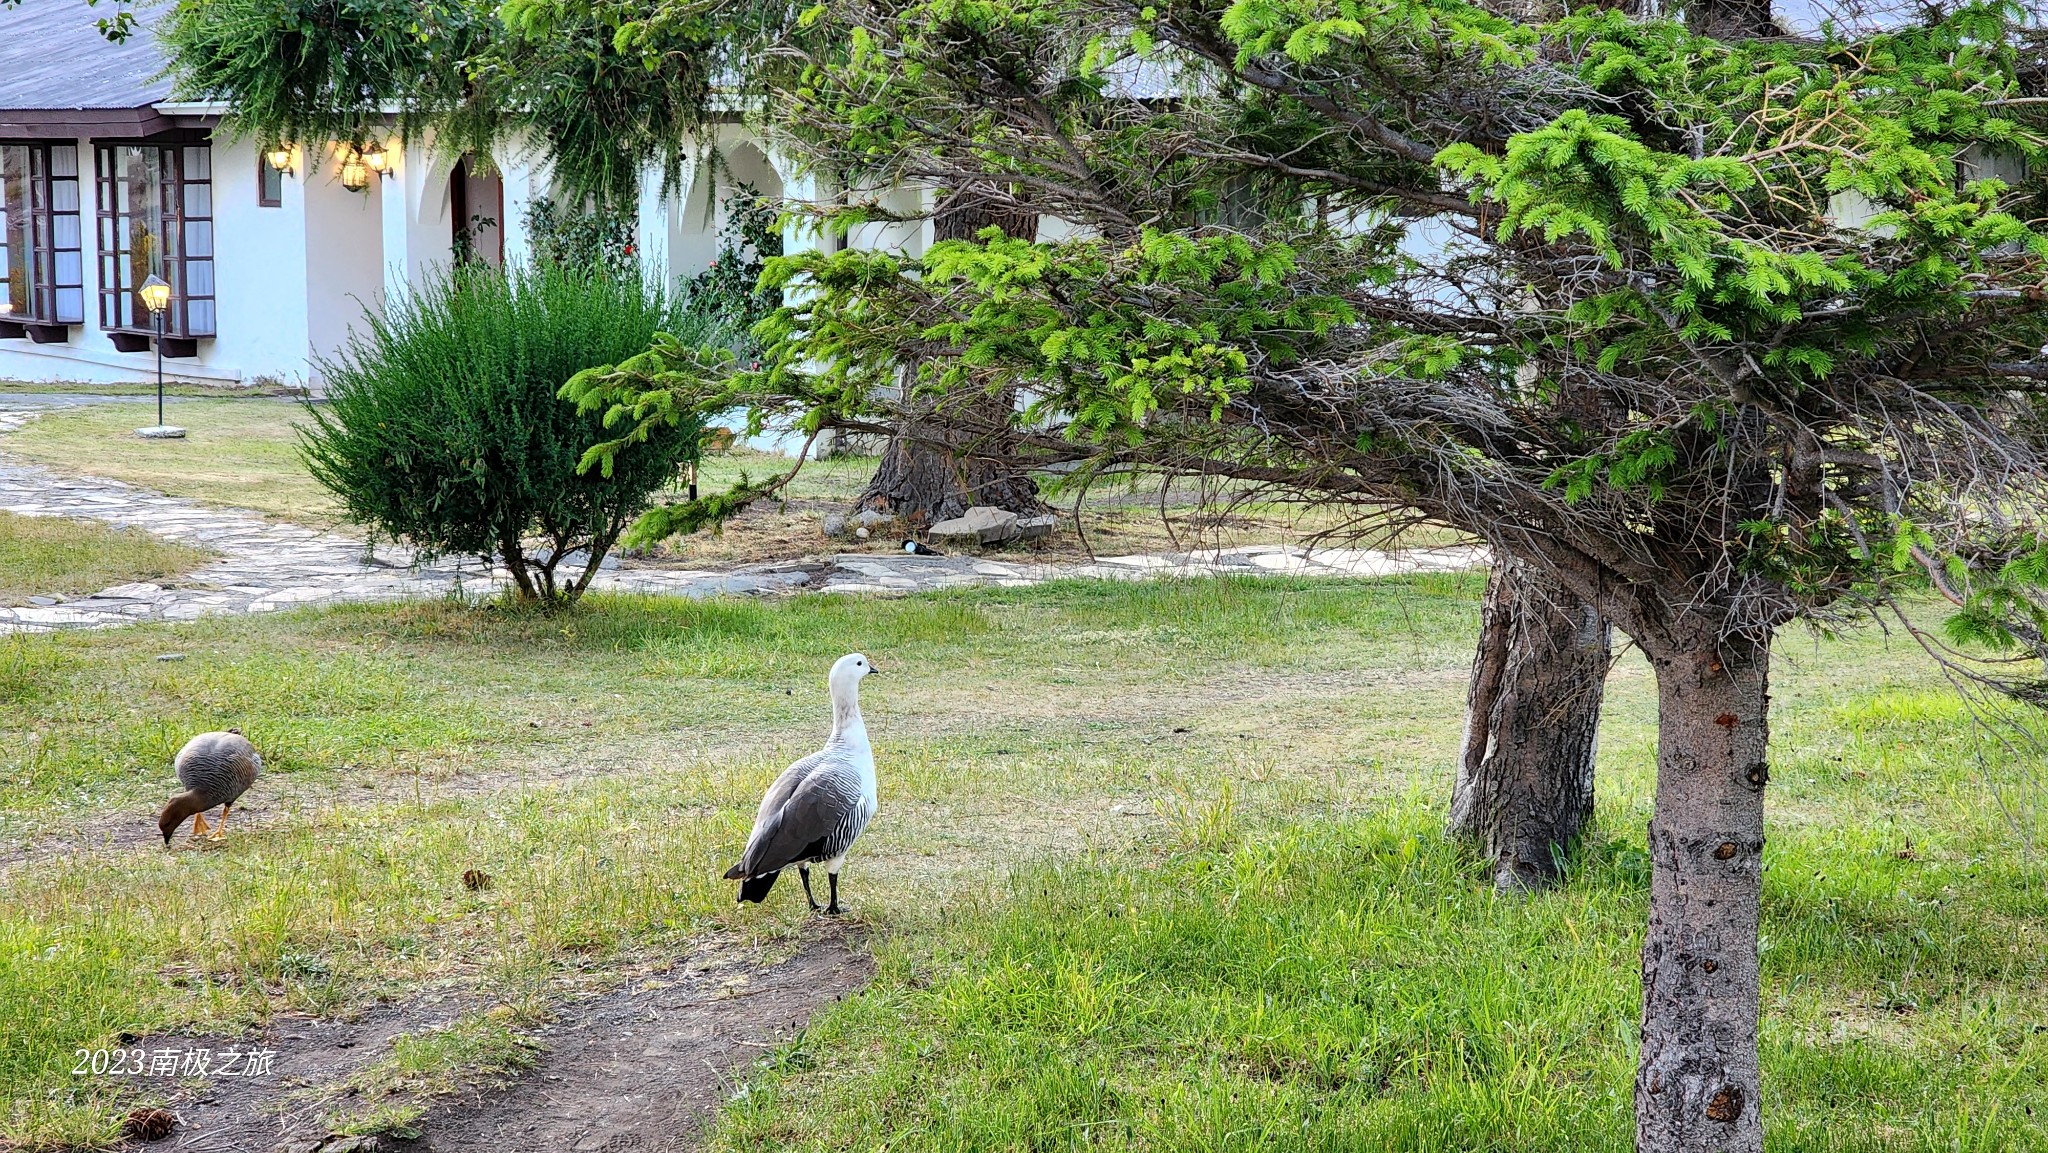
{"x":581,"y":237}
{"x":731,"y":288}
{"x":442,"y":426}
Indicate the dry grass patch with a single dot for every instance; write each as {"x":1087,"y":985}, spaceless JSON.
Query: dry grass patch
{"x":49,"y":556}
{"x":236,"y":453}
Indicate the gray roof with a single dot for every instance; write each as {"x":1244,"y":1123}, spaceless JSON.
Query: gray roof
{"x":57,"y":70}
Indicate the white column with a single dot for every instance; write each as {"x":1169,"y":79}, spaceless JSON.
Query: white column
{"x":396,"y":196}
{"x":651,"y":228}
{"x":802,"y":187}
{"x":526,"y":180}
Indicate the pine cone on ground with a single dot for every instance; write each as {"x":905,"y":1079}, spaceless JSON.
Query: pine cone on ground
{"x":149,"y":1124}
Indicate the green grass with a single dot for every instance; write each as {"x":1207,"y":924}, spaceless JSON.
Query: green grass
{"x":240,"y":453}
{"x":1351,"y":985}
{"x":391,"y":1095}
{"x":243,"y":453}
{"x":41,"y":556}
{"x":1157,"y":867}
{"x":226,"y":392}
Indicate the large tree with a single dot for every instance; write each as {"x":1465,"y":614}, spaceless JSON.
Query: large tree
{"x":604,"y":91}
{"x":1587,"y":290}
{"x":936,"y":465}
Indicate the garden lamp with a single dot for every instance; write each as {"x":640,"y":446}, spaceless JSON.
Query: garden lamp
{"x":280,"y":158}
{"x":375,"y":159}
{"x":156,"y":296}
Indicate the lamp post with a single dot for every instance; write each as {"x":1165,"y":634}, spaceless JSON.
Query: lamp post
{"x":156,"y":296}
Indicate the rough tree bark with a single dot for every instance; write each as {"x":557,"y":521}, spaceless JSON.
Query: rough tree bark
{"x":1730,"y":19}
{"x":930,"y":469}
{"x":1697,"y":1082}
{"x":1525,"y":770}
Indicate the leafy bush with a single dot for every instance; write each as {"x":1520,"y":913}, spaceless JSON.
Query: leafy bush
{"x":443,"y":429}
{"x":731,"y":288}
{"x":588,"y":238}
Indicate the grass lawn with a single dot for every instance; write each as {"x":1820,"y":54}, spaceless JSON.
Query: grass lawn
{"x":1157,"y":867}
{"x":243,"y":453}
{"x":44,"y":555}
{"x":236,"y":453}
{"x":72,"y":388}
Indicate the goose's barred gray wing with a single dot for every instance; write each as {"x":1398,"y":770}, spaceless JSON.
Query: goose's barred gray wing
{"x":785,"y":786}
{"x":218,"y":767}
{"x":819,"y":819}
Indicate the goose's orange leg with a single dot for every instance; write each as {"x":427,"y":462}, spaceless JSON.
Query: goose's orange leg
{"x":198,"y":825}
{"x":222,"y":828}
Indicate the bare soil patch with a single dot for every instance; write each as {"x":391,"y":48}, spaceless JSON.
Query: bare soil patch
{"x":249,"y":1114}
{"x":639,"y":1069}
{"x":644,"y":1069}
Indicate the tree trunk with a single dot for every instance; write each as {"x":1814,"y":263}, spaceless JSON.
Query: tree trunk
{"x":1730,"y":19}
{"x":930,"y":470}
{"x":512,"y":554}
{"x":1697,"y":1084}
{"x":1525,"y":771}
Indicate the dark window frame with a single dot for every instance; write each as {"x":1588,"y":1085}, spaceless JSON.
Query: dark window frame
{"x":266,"y":175}
{"x":175,"y":185}
{"x":48,"y":305}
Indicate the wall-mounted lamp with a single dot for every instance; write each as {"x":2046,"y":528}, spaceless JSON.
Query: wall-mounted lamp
{"x":280,"y":158}
{"x":355,"y":175}
{"x":359,"y":162}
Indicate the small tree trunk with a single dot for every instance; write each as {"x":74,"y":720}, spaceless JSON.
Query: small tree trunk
{"x":1525,"y":771}
{"x":929,"y":471}
{"x":1697,"y":1084}
{"x":512,"y":551}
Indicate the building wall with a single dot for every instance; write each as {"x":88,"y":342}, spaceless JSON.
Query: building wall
{"x":256,"y":250}
{"x":293,"y":281}
{"x":340,"y":274}
{"x":290,"y":280}
{"x":88,"y":356}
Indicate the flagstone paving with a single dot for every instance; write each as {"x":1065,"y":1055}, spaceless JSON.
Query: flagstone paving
{"x":266,"y":566}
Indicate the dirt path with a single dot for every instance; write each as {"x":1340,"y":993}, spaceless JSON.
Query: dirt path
{"x":640,"y":1069}
{"x":643,"y":1070}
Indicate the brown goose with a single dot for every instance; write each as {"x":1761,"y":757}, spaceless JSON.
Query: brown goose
{"x":216,"y":769}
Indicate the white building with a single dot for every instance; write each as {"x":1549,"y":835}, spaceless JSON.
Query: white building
{"x":104,"y":181}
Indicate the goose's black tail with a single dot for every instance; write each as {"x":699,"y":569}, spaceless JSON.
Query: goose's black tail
{"x":756,"y":888}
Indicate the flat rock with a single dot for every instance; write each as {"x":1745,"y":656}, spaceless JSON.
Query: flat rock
{"x":135,"y":591}
{"x":1036,"y":527}
{"x":982,"y":524}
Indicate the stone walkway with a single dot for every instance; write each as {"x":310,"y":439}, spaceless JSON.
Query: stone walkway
{"x":266,"y":566}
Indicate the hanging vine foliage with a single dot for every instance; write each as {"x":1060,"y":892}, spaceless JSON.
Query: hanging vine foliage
{"x":603,"y":92}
